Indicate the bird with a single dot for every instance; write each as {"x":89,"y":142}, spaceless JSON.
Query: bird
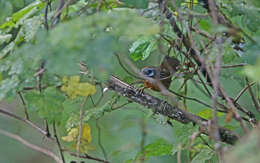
{"x":162,"y":73}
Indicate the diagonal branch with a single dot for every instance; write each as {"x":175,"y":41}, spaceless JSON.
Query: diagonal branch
{"x":32,"y":146}
{"x":5,"y":112}
{"x":162,"y":107}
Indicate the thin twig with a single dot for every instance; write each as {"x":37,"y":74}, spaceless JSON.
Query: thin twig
{"x":234,"y":110}
{"x":24,"y":105}
{"x":190,"y":98}
{"x":253,"y":96}
{"x":58,"y":142}
{"x":32,"y":146}
{"x":234,"y":66}
{"x":119,"y":61}
{"x":86,"y":156}
{"x":242,"y":91}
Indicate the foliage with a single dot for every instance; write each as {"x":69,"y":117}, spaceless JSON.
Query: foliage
{"x":60,"y":72}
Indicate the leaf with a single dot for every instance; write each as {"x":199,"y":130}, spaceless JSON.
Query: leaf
{"x":142,"y":48}
{"x":24,"y":13}
{"x":160,"y":147}
{"x":74,"y":88}
{"x":72,"y":135}
{"x":204,"y":155}
{"x":94,"y":40}
{"x":135,"y":3}
{"x":85,"y":140}
{"x":8,"y":87}
{"x":74,"y":132}
{"x":48,"y":105}
{"x":31,"y":27}
{"x":205,"y":25}
{"x":208,"y":114}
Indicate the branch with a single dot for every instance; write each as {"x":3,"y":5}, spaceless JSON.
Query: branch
{"x":32,"y":146}
{"x":58,"y":142}
{"x":194,"y":53}
{"x":162,"y":107}
{"x":24,"y":106}
{"x":3,"y":111}
{"x":257,"y":107}
{"x":88,"y":157}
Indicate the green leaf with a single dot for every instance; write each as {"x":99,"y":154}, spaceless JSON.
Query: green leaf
{"x":8,"y":87}
{"x":94,"y":40}
{"x":32,"y":99}
{"x":31,"y":27}
{"x":142,"y":48}
{"x":204,"y":155}
{"x":160,"y":147}
{"x":24,"y":13}
{"x":208,"y":113}
{"x":48,"y":105}
{"x":205,"y":24}
{"x":135,"y":3}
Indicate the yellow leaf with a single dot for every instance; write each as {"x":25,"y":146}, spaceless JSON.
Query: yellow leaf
{"x":72,"y":135}
{"x":73,"y":88}
{"x":189,"y":3}
{"x":85,"y":140}
{"x":86,"y":89}
{"x":86,"y":133}
{"x":75,"y":79}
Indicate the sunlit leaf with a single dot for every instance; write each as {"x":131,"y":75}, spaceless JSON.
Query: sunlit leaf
{"x":208,"y":113}
{"x":142,"y":48}
{"x":23,"y":14}
{"x":73,"y":87}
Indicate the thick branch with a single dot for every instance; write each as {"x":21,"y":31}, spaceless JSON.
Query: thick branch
{"x":162,"y":107}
